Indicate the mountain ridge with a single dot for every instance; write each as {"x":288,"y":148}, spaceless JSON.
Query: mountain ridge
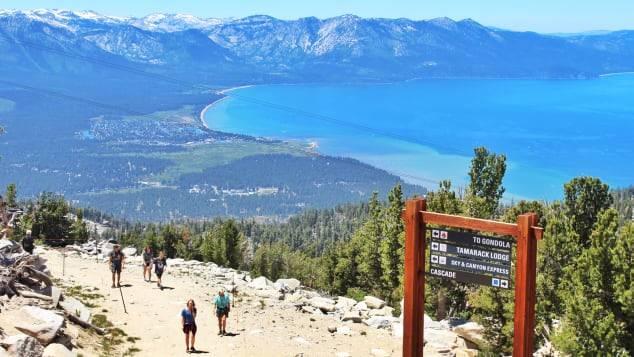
{"x":261,"y":48}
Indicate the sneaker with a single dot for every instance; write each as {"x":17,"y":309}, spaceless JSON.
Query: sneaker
{"x":192,"y":349}
{"x":113,"y":286}
{"x":219,"y":333}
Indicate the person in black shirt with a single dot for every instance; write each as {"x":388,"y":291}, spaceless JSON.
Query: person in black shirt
{"x":116,"y":264}
{"x":160,"y":264}
{"x":28,"y":243}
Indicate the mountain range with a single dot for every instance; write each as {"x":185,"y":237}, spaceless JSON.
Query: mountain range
{"x":343,"y":48}
{"x":106,"y":110}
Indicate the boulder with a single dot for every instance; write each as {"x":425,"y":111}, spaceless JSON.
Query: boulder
{"x":385,"y":311}
{"x":129,"y":251}
{"x":380,"y":321}
{"x":106,"y":249}
{"x":353,"y":316}
{"x":472,"y":332}
{"x":261,"y":283}
{"x":39,"y":323}
{"x":58,"y":350}
{"x":397,"y":330}
{"x":270,"y":294}
{"x":23,"y":346}
{"x":324,"y":304}
{"x":373,"y":303}
{"x":287,"y":285}
{"x":440,"y":340}
{"x":75,"y":307}
{"x":360,"y":306}
{"x":332,"y":329}
{"x":344,"y":303}
{"x":344,"y":330}
{"x":56,"y":294}
{"x":431,"y":324}
{"x":309,"y":309}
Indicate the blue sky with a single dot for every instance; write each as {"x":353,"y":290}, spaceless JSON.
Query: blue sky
{"x":536,"y":15}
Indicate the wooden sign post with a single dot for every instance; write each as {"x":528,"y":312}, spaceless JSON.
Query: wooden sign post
{"x":526,"y":234}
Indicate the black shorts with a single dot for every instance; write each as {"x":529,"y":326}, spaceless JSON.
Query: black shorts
{"x":115,"y":268}
{"x":222,"y":312}
{"x":187,"y":328}
{"x":158,"y":273}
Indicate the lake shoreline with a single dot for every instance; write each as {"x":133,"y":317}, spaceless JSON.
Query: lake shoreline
{"x":223,"y":92}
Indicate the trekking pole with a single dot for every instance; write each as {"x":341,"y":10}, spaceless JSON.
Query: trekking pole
{"x":122,"y":300}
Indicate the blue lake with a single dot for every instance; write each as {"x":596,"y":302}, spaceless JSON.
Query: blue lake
{"x":550,"y":130}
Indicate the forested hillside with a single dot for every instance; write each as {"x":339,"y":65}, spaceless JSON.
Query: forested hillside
{"x":585,"y":289}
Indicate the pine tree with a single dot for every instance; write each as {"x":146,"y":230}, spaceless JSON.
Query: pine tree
{"x":392,"y":246}
{"x":557,"y":250}
{"x":347,"y":269}
{"x":595,"y":322}
{"x":79,"y":231}
{"x":444,"y":295}
{"x":444,"y":200}
{"x":368,"y":240}
{"x":11,"y":195}
{"x":585,"y":198}
{"x":485,"y":188}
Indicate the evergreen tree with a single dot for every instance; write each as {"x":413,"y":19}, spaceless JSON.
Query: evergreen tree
{"x":261,"y":261}
{"x":444,"y":200}
{"x":558,"y":249}
{"x":392,"y":246}
{"x":595,"y":320}
{"x":585,"y":198}
{"x":11,"y":196}
{"x":368,"y":240}
{"x":347,"y":269}
{"x":485,"y":188}
{"x":444,"y":296}
{"x":79,"y":231}
{"x":50,"y":218}
{"x":169,"y":238}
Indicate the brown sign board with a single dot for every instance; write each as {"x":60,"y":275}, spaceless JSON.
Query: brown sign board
{"x":469,"y":257}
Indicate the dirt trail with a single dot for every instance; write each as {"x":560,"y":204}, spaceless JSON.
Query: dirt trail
{"x":262,"y":329}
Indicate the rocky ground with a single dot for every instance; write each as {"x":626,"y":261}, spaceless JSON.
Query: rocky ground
{"x":269,"y":318}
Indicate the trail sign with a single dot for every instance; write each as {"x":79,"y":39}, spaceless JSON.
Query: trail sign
{"x":472,"y":240}
{"x":469,"y":257}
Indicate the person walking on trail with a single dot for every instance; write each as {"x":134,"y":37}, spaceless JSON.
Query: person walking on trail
{"x":116,"y":264}
{"x":147,"y":263}
{"x":28,"y":243}
{"x":160,"y":264}
{"x":223,"y":305}
{"x":188,"y":322}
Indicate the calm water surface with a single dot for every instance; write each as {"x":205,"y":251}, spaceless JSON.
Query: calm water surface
{"x":550,"y":130}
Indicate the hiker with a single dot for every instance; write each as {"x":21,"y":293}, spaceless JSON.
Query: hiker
{"x":160,"y":264}
{"x":223,"y":305}
{"x":147,"y":263}
{"x":27,"y":242}
{"x":116,"y":264}
{"x":188,"y":321}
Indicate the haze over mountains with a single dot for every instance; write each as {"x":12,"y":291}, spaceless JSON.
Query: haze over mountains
{"x":344,"y":48}
{"x":106,"y":110}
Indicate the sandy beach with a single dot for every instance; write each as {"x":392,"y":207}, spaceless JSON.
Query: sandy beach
{"x":210,"y":105}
